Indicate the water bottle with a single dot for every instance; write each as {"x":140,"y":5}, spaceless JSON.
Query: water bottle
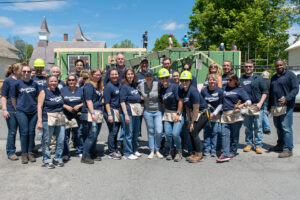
{"x":94,"y":126}
{"x":39,"y":135}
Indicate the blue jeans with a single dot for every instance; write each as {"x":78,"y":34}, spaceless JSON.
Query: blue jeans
{"x":253,"y":124}
{"x":89,"y":147}
{"x":230,"y":138}
{"x":173,"y":133}
{"x":48,"y":131}
{"x":154,"y":129}
{"x":27,"y":123}
{"x":131,"y":134}
{"x":82,"y":132}
{"x":265,"y":120}
{"x":113,"y":129}
{"x":12,"y":126}
{"x":284,"y":129}
{"x":122,"y":131}
{"x":210,"y":137}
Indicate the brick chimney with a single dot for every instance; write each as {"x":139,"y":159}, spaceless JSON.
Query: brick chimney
{"x":65,"y":37}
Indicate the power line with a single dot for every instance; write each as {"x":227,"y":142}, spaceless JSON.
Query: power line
{"x":37,"y":1}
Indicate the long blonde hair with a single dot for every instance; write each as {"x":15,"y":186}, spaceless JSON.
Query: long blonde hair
{"x":99,"y":84}
{"x":11,"y":68}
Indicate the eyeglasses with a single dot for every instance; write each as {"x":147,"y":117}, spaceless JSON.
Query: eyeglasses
{"x":85,"y":79}
{"x":186,"y":69}
{"x":79,"y":65}
{"x":229,"y":80}
{"x":214,"y":66}
{"x":71,"y":80}
{"x":26,"y":71}
{"x":248,"y":66}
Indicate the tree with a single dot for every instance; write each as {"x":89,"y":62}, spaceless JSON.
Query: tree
{"x":163,"y":43}
{"x":259,"y":23}
{"x":25,"y":49}
{"x":125,"y":44}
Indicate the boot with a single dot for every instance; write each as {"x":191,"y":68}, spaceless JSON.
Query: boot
{"x":196,"y":158}
{"x":191,"y":156}
{"x":31,"y":157}
{"x":24,"y":158}
{"x":178,"y":156}
{"x":285,"y":154}
{"x":171,"y":155}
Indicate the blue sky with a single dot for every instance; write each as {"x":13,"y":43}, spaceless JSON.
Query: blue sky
{"x":101,"y":20}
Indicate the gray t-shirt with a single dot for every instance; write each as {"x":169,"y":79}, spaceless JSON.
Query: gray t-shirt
{"x":152,"y":102}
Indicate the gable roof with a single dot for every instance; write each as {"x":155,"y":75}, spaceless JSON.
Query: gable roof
{"x":296,"y":45}
{"x":78,"y":35}
{"x":7,"y":50}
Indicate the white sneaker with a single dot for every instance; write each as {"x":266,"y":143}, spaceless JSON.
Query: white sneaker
{"x":130,"y":157}
{"x":151,"y":155}
{"x":138,"y":154}
{"x":159,"y":155}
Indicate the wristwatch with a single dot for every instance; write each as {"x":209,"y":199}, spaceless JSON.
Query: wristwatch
{"x":178,"y":113}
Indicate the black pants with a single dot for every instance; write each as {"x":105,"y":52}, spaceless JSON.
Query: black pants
{"x":198,"y":126}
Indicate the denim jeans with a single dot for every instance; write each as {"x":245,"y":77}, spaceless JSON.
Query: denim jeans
{"x":186,"y":138}
{"x":284,"y":129}
{"x":89,"y":147}
{"x":210,"y":137}
{"x":27,"y":123}
{"x":113,"y":129}
{"x":82,"y":132}
{"x":48,"y":131}
{"x":265,"y":120}
{"x":122,"y":131}
{"x":230,"y":138}
{"x":12,"y":126}
{"x":253,"y":125}
{"x":154,"y":129}
{"x":74,"y":131}
{"x":131,"y":134}
{"x":173,"y":133}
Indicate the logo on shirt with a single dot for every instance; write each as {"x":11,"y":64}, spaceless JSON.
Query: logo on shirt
{"x":211,"y":99}
{"x":246,"y":82}
{"x":56,"y":99}
{"x":117,"y":92}
{"x":27,"y":90}
{"x":40,"y":82}
{"x":186,"y":99}
{"x":215,"y":94}
{"x":71,"y":99}
{"x":167,"y":95}
{"x":134,"y":92}
{"x":229,"y":93}
{"x":98,"y":93}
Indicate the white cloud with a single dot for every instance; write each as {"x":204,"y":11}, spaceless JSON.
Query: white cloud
{"x":101,"y":35}
{"x":26,"y":30}
{"x":6,"y":22}
{"x":38,"y":6}
{"x":293,"y":30}
{"x":171,"y":26}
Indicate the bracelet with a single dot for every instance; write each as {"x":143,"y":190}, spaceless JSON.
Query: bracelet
{"x":93,"y":113}
{"x":125,"y":114}
{"x":4,"y":109}
{"x":110,"y":115}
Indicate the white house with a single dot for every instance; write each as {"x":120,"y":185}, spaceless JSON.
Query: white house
{"x":294,"y":54}
{"x":7,"y":55}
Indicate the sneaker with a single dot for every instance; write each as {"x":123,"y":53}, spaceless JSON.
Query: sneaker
{"x":222,"y":158}
{"x":130,"y":157}
{"x":231,"y":156}
{"x":151,"y":155}
{"x":276,"y":148}
{"x":205,"y":153}
{"x":171,"y":155}
{"x":49,"y":165}
{"x":258,"y":150}
{"x":87,"y":160}
{"x":65,"y":158}
{"x":178,"y":156}
{"x":247,"y":148}
{"x":24,"y":158}
{"x":114,"y":156}
{"x":213,"y":154}
{"x":138,"y":154}
{"x":158,"y":154}
{"x":57,"y":163}
{"x":97,"y":158}
{"x":13,"y":157}
{"x":285,"y":154}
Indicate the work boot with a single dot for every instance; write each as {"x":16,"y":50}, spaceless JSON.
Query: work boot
{"x":24,"y":158}
{"x":13,"y":157}
{"x":31,"y":157}
{"x":190,"y":157}
{"x":171,"y":155}
{"x":87,"y":160}
{"x":178,"y":156}
{"x":258,"y":150}
{"x":285,"y":154}
{"x":276,"y":148}
{"x":197,"y":157}
{"x":247,"y":148}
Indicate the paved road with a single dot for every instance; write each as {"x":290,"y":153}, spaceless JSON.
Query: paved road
{"x":248,"y":176}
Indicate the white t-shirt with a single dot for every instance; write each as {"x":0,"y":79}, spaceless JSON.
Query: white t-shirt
{"x":170,"y":40}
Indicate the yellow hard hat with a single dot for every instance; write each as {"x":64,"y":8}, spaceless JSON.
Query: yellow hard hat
{"x":163,"y":73}
{"x":186,"y":75}
{"x":39,"y":63}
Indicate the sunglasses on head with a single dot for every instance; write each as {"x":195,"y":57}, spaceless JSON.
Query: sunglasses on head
{"x":214,"y":66}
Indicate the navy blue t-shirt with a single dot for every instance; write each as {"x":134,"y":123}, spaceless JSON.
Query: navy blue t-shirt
{"x":129,"y":94}
{"x":224,"y":80}
{"x":6,"y":91}
{"x":91,"y":93}
{"x":106,"y":79}
{"x":72,"y":99}
{"x":53,"y":102}
{"x":61,"y":84}
{"x":192,"y":96}
{"x":213,"y":97}
{"x":246,"y":83}
{"x":41,"y":82}
{"x":111,"y":95}
{"x":26,"y":94}
{"x":232,"y":96}
{"x":170,"y":96}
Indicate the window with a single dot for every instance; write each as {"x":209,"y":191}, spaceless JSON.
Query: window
{"x":73,"y":58}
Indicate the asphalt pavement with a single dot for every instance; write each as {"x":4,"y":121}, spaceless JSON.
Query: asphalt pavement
{"x":247,"y":176}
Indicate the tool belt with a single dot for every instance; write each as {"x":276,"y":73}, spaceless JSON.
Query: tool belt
{"x":56,"y":119}
{"x":252,"y":110}
{"x":169,"y":115}
{"x":278,"y":110}
{"x":136,"y":109}
{"x":71,"y":123}
{"x":231,"y":116}
{"x":98,"y":115}
{"x":117,"y":117}
{"x":216,"y":118}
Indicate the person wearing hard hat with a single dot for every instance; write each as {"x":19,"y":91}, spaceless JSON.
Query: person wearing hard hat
{"x":40,"y":76}
{"x":172,"y":118}
{"x":196,"y":111}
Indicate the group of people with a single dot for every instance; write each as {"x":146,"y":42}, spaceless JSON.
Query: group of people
{"x":173,"y":108}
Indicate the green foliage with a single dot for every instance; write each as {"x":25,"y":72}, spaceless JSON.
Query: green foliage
{"x":125,"y":44}
{"x":163,"y":43}
{"x":25,"y":49}
{"x":258,"y":23}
